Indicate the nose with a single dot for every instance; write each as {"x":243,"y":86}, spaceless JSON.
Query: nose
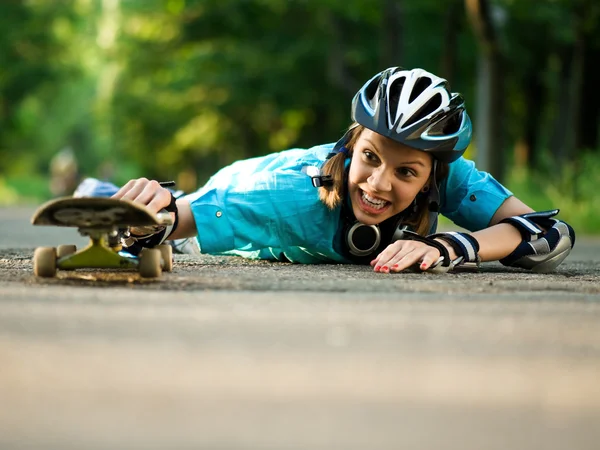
{"x":379,"y":180}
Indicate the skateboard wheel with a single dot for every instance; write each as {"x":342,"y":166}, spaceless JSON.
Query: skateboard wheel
{"x":64,"y":250}
{"x":166,"y":252}
{"x":44,"y":262}
{"x":150,"y":263}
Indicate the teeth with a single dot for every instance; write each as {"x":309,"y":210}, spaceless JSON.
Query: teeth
{"x":376,"y":203}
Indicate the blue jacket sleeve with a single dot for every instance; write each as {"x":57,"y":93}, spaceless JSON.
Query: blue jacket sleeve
{"x":264,"y":209}
{"x":470,"y":197}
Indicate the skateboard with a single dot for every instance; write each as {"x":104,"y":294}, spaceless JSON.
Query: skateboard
{"x":104,"y":221}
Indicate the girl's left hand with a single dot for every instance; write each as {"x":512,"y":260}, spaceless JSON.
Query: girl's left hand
{"x":402,"y":254}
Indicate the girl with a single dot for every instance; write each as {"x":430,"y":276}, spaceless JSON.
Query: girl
{"x":372,"y":198}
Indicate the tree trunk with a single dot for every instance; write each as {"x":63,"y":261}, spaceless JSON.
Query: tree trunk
{"x":564,"y":146}
{"x":589,"y":136}
{"x":392,"y":24}
{"x":535,"y":97}
{"x":574,"y":124}
{"x":451,"y":27}
{"x":559,"y":132}
{"x":337,"y":71}
{"x":490,"y":104}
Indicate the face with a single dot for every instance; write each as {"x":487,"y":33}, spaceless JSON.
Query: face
{"x":385,"y":177}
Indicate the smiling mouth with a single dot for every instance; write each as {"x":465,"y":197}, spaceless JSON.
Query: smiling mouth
{"x":370,"y":204}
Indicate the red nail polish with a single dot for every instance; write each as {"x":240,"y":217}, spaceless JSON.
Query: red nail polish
{"x":395,"y":266}
{"x":385,"y":268}
{"x":377,"y":268}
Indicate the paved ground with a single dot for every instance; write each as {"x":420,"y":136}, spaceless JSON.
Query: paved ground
{"x":225,"y":353}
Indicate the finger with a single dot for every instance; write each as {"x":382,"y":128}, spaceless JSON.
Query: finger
{"x":392,"y":252}
{"x":387,"y":253}
{"x":377,"y":261}
{"x":153,"y":196}
{"x":384,"y":256}
{"x":150,"y":190}
{"x":160,"y":200}
{"x":124,"y":189}
{"x":429,"y":259}
{"x":132,"y":189}
{"x":404,"y":261}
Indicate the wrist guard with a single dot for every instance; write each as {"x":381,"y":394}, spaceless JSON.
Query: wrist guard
{"x":155,"y":235}
{"x":464,"y":245}
{"x":546,"y":241}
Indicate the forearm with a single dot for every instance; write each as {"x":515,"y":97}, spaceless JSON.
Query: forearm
{"x":497,"y":242}
{"x":500,"y":239}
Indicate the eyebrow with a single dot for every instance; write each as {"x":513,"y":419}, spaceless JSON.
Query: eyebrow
{"x":418,"y":162}
{"x":414,"y":162}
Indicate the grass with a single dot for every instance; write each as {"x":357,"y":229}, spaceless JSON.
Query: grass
{"x":24,"y":190}
{"x":573,"y":190}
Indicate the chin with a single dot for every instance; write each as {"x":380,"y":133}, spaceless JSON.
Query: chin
{"x":369,"y":219}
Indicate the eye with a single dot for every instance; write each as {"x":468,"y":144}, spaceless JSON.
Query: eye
{"x":369,"y":156}
{"x":406,"y":172}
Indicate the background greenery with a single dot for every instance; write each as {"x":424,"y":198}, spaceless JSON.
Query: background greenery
{"x":176,"y":89}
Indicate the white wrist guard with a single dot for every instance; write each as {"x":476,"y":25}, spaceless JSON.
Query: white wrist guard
{"x":464,"y":245}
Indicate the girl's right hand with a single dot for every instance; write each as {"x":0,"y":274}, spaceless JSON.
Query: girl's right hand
{"x":145,"y":192}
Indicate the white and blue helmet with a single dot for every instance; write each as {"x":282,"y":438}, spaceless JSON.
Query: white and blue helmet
{"x":415,"y":108}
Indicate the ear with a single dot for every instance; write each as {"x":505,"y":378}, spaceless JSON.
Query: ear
{"x":425,"y":189}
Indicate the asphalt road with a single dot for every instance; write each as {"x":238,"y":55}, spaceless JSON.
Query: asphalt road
{"x":230,"y":354}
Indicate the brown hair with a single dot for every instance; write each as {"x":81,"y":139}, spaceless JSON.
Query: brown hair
{"x":332,"y":196}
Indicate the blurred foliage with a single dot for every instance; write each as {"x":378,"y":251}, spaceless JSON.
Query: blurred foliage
{"x":176,"y":89}
{"x":572,"y":190}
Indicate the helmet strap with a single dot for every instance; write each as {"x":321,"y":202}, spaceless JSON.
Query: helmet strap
{"x":434,"y":200}
{"x":340,"y":145}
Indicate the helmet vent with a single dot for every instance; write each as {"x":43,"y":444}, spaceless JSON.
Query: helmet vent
{"x":428,"y":108}
{"x":371,"y":93}
{"x":421,"y":84}
{"x":453,"y":123}
{"x":449,"y":125}
{"x":394,"y":95}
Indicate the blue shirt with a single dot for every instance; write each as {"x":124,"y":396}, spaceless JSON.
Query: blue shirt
{"x":267,"y":207}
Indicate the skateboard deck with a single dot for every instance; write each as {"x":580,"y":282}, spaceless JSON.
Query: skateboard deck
{"x":96,"y":212}
{"x":103,"y":220}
